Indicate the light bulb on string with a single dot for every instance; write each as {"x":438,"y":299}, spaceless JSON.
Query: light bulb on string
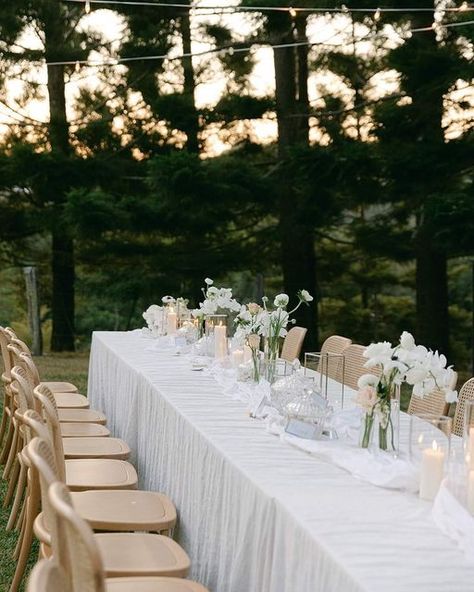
{"x":292,"y":12}
{"x":377,"y":15}
{"x":77,"y":67}
{"x":230,"y":51}
{"x":464,"y":6}
{"x":87,"y":6}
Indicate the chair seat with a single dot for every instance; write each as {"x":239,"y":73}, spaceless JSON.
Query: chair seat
{"x":125,"y":510}
{"x":81,"y":415}
{"x":151,"y":584}
{"x":140,"y":554}
{"x":71,"y":401}
{"x":96,"y":448}
{"x":61,"y":387}
{"x":100,"y":473}
{"x":83,"y":430}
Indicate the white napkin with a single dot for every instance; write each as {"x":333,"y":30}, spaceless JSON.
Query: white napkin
{"x":454,"y":520}
{"x":379,"y":468}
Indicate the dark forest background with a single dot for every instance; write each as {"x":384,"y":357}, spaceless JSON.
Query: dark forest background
{"x":366,"y":198}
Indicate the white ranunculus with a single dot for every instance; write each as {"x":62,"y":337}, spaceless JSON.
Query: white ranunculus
{"x":416,"y":375}
{"x":197,"y":313}
{"x":167,"y":299}
{"x":407,"y":341}
{"x":451,"y":396}
{"x":383,"y":349}
{"x":418,"y":390}
{"x":392,"y":365}
{"x":212,"y":291}
{"x":208,"y":281}
{"x":367,"y":380}
{"x":281,"y":300}
{"x":306,"y":296}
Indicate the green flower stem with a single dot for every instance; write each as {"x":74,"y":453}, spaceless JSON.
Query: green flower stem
{"x":369,"y":423}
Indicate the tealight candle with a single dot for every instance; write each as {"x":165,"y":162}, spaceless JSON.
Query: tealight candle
{"x":470,"y":492}
{"x":432,"y":471}
{"x":172,"y":321}
{"x":220,"y":341}
{"x":247,"y":354}
{"x":237,"y":357}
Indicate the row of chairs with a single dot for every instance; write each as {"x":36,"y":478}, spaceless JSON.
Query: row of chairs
{"x":67,"y":479}
{"x":353,"y":369}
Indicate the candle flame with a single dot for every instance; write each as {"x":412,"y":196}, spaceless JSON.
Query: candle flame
{"x":435,"y":445}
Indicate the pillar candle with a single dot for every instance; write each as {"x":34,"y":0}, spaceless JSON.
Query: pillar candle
{"x":470,"y":492}
{"x":237,"y":357}
{"x":220,"y":341}
{"x":470,"y":448}
{"x":247,"y":354}
{"x":432,"y":472}
{"x":172,"y":322}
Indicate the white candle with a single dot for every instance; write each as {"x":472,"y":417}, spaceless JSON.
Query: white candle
{"x":470,"y":492}
{"x":172,"y":322}
{"x":220,"y":341}
{"x":432,"y":471}
{"x":237,"y":357}
{"x":470,"y":449}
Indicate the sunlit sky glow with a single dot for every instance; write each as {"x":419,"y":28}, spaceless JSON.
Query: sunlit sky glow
{"x":334,"y":30}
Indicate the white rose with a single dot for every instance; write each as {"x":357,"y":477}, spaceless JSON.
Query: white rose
{"x":407,"y":341}
{"x":306,"y":296}
{"x":383,"y":349}
{"x":208,"y":281}
{"x":451,"y":396}
{"x":281,"y":300}
{"x":367,"y":380}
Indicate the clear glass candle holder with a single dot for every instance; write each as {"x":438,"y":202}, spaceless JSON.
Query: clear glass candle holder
{"x":468,"y":434}
{"x":216,"y":335}
{"x":328,"y":372}
{"x":430,"y":446}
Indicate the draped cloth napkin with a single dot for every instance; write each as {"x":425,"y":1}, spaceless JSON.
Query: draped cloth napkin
{"x":453,"y":518}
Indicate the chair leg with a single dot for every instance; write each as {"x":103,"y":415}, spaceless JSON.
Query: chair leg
{"x":23,"y":554}
{"x":21,"y":516}
{"x":3,"y":425}
{"x":13,"y":480}
{"x":11,"y":454}
{"x":19,"y":543}
{"x":20,"y":490}
{"x":7,"y":444}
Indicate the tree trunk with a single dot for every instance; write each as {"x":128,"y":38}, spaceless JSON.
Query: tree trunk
{"x":62,"y":257}
{"x":298,"y":259}
{"x":192,"y":131}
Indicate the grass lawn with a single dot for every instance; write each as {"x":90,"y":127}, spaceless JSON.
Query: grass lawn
{"x":64,"y":367}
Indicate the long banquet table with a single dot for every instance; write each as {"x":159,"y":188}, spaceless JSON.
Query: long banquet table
{"x":256,"y":514}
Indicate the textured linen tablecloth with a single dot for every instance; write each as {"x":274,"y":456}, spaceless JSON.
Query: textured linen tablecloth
{"x":255,"y":514}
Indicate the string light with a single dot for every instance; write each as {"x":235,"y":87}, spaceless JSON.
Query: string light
{"x":465,"y":6}
{"x":377,"y":15}
{"x":87,"y":6}
{"x":226,"y":50}
{"x":292,"y":12}
{"x":77,"y":67}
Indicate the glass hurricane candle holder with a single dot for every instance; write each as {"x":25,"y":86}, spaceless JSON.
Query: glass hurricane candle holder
{"x":468,"y":434}
{"x":429,"y":446}
{"x":328,"y":372}
{"x":216,"y":335}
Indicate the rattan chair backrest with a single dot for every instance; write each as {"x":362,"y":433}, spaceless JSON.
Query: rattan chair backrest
{"x":5,"y":339}
{"x":74,"y":545}
{"x":353,"y":367}
{"x":50,"y":414}
{"x":465,"y":394}
{"x":293,"y":344}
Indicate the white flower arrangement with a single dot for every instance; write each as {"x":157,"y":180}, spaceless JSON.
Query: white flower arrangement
{"x":408,"y":363}
{"x":154,"y":319}
{"x":217,"y":299}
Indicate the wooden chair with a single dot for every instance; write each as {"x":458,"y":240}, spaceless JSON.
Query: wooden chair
{"x":48,"y":576}
{"x":335,"y":344}
{"x":330,"y":361}
{"x":432,"y":403}
{"x":83,"y":473}
{"x":293,"y":343}
{"x":56,"y":387}
{"x":354,"y":366}
{"x":6,"y":427}
{"x":109,"y":510}
{"x":88,"y":558}
{"x":465,"y":394}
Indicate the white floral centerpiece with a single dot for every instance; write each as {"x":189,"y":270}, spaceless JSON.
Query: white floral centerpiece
{"x":250,"y":323}
{"x":408,"y":363}
{"x":271,"y":324}
{"x":154,"y":319}
{"x":217,"y":300}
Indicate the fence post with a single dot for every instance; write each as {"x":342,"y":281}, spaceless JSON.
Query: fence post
{"x":32,"y":297}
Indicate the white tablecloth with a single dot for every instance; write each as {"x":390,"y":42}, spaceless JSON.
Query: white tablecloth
{"x":255,"y":514}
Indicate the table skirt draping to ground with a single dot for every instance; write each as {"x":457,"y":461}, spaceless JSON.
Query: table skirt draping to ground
{"x":255,"y":514}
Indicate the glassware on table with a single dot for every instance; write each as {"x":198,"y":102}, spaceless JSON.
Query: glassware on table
{"x":430,"y":446}
{"x":307,"y":415}
{"x":216,"y":335}
{"x":328,"y":369}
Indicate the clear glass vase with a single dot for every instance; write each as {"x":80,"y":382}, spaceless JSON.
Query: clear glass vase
{"x":271,"y":353}
{"x":388,"y":416}
{"x":367,"y":429}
